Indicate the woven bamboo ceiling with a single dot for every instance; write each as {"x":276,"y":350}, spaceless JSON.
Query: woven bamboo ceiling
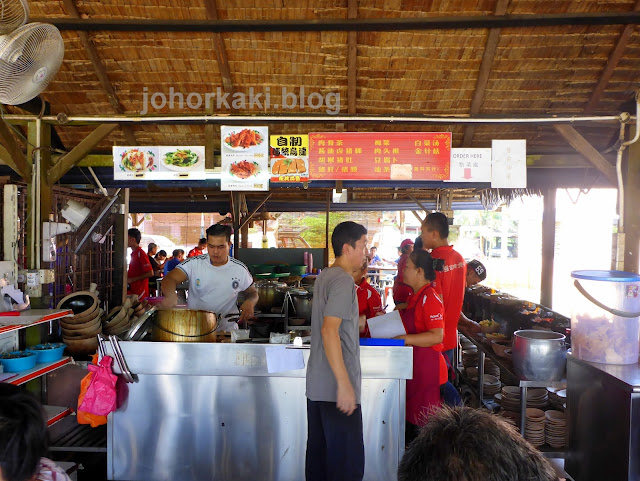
{"x":555,"y":70}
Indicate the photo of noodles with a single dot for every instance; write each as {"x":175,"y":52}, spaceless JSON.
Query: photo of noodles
{"x":244,"y":169}
{"x":244,"y":139}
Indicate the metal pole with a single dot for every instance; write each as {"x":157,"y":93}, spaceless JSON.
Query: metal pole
{"x":548,"y":247}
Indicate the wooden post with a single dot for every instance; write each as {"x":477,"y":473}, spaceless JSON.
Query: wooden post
{"x":548,"y":247}
{"x":245,"y":236}
{"x":631,"y":181}
{"x":119,"y":291}
{"x":236,"y":222}
{"x":327,"y":239}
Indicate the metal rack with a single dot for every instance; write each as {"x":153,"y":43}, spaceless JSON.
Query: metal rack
{"x":69,"y":436}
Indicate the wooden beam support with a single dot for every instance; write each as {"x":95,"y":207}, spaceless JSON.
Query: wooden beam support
{"x":63,"y":165}
{"x":352,"y":58}
{"x":612,"y":63}
{"x":420,"y":219}
{"x":631,"y":179}
{"x":485,"y":70}
{"x":248,"y":218}
{"x":101,"y":72}
{"x":426,"y":211}
{"x":548,"y":247}
{"x":16,"y":159}
{"x":579,"y":143}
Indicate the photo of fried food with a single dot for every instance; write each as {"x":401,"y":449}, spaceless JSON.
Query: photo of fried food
{"x":244,"y":169}
{"x":288,"y":166}
{"x":243,"y":139}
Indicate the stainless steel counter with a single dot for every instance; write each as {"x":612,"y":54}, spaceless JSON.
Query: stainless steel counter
{"x":213,"y":411}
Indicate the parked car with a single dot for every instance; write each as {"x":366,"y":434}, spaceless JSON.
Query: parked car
{"x":163,"y":243}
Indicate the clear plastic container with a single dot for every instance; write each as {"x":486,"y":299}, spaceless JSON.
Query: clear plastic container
{"x":598,"y":335}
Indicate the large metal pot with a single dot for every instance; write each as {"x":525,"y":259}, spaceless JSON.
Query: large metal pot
{"x":539,"y":355}
{"x":270,"y":293}
{"x":302,"y":303}
{"x":184,"y":325}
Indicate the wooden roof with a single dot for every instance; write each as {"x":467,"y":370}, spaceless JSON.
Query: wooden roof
{"x":557,"y":70}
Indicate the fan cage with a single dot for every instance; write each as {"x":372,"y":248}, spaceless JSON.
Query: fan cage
{"x":13,"y":14}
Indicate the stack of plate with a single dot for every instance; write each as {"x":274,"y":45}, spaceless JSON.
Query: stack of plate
{"x":554,"y":429}
{"x":491,"y":385}
{"x":467,"y":344}
{"x":470,"y":357}
{"x":536,"y":398}
{"x":490,"y":367}
{"x":535,"y":426}
{"x":558,"y":398}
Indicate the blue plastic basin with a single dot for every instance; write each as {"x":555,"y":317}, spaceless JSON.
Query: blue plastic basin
{"x":19,"y":364}
{"x":48,"y":352}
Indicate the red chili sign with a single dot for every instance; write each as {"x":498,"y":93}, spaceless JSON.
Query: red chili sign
{"x":379,"y":155}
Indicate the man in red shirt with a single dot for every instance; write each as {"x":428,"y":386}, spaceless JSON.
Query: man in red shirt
{"x":140,"y":269}
{"x":199,"y":249}
{"x":450,"y":283}
{"x":369,"y":301}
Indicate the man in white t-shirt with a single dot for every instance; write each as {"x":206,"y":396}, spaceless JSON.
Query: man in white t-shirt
{"x":215,"y":280}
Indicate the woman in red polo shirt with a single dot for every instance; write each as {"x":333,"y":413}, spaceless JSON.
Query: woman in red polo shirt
{"x":423,"y":320}
{"x":369,"y":301}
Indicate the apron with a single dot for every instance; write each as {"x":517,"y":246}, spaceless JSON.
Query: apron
{"x":423,"y":391}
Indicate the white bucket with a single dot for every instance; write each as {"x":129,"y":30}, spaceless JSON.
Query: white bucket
{"x":605,"y":317}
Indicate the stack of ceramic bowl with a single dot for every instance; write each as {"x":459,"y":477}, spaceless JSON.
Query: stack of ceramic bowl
{"x":490,"y":367}
{"x":470,"y":357}
{"x":537,"y":398}
{"x":120,"y":319}
{"x":466,"y":343}
{"x":558,"y":398}
{"x":554,"y":429}
{"x":510,"y":398}
{"x":491,"y":385}
{"x":80,"y":331}
{"x":535,"y":426}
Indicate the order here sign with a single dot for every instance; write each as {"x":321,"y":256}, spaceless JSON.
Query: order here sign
{"x":379,"y":155}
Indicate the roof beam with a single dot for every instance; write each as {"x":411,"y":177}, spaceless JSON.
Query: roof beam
{"x":579,"y":143}
{"x":100,"y":71}
{"x":612,"y":63}
{"x":483,"y":74}
{"x":15,"y":158}
{"x":345,"y":25}
{"x":352,"y":58}
{"x":79,"y":152}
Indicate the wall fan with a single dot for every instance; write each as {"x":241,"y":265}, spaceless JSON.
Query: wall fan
{"x":30,"y":56}
{"x":13,"y":14}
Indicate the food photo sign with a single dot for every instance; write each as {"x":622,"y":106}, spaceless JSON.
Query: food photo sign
{"x":158,"y":163}
{"x":245,"y":158}
{"x":289,"y":158}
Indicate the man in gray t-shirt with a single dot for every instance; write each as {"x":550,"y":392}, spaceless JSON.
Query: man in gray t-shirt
{"x":335,"y":448}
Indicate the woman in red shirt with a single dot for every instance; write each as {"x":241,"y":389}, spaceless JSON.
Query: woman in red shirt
{"x":423,"y":320}
{"x":401,"y":290}
{"x":369,"y":301}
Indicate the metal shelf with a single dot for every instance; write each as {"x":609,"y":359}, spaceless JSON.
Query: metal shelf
{"x":69,"y":436}
{"x":39,"y":370}
{"x":56,"y":413}
{"x":24,"y":315}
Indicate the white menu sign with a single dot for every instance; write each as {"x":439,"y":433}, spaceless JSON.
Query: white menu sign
{"x":245,"y":158}
{"x":470,"y":165}
{"x":509,"y":164}
{"x":158,"y":163}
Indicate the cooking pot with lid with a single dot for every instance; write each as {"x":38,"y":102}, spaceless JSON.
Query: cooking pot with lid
{"x":302,"y":303}
{"x":270,"y":294}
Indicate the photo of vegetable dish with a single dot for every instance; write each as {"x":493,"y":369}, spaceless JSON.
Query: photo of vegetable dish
{"x":244,"y":169}
{"x":180,"y":159}
{"x":136,"y":160}
{"x":243,"y":140}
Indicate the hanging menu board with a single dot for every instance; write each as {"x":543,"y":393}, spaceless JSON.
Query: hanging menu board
{"x":158,"y":163}
{"x":379,"y":156}
{"x":245,"y":158}
{"x":509,"y":164}
{"x":289,"y":158}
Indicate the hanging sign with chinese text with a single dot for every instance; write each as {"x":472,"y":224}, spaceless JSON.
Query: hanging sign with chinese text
{"x":470,"y":165}
{"x":289,"y":158}
{"x":509,"y":164}
{"x":379,"y":155}
{"x":245,"y":158}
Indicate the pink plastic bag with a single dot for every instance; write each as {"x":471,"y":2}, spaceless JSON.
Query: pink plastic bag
{"x":100,"y":398}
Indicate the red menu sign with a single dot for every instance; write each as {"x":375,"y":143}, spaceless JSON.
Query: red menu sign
{"x":379,"y":155}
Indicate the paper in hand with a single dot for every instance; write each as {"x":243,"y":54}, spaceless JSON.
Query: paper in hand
{"x":386,"y":326}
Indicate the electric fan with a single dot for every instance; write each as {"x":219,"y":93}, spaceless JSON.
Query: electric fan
{"x":13,"y":14}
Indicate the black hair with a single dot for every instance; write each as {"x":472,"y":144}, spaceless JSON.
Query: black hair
{"x":479,"y":268}
{"x":181,"y":251}
{"x":220,"y":230}
{"x":346,"y":233}
{"x":151,"y":246}
{"x":469,"y":444}
{"x":202,"y":241}
{"x":423,"y":260}
{"x":176,"y":252}
{"x":373,"y":247}
{"x":418,"y":245}
{"x":162,"y":253}
{"x":438,"y":221}
{"x":23,"y":433}
{"x":135,"y":233}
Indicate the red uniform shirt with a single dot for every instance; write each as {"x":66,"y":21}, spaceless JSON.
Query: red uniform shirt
{"x":195,"y":252}
{"x":429,"y":314}
{"x":450,"y":284}
{"x":138,"y":266}
{"x":369,"y":303}
{"x":401,"y":291}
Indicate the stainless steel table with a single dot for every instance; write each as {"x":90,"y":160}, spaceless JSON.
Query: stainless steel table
{"x":212,"y":411}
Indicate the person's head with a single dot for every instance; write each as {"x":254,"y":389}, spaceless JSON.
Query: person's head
{"x":373,"y":251}
{"x":152,"y":249}
{"x":465,"y":444}
{"x":202,"y":244}
{"x":435,"y":230}
{"x":219,"y":243}
{"x":476,"y":272}
{"x":181,"y":254}
{"x":161,"y":255}
{"x":133,"y":237}
{"x":417,"y":244}
{"x":176,"y":253}
{"x":23,"y":434}
{"x":406,"y":246}
{"x":419,"y":269}
{"x":349,"y":241}
{"x":360,"y":272}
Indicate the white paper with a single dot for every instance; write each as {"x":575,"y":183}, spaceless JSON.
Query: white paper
{"x":470,"y":165}
{"x":509,"y":164}
{"x":15,"y":294}
{"x":280,"y":359}
{"x":386,"y":326}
